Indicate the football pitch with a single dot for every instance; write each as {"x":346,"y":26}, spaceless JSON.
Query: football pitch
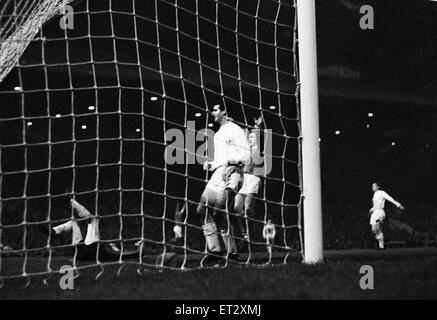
{"x":407,"y":273}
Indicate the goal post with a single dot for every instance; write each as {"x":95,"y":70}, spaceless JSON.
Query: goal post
{"x":312,"y":199}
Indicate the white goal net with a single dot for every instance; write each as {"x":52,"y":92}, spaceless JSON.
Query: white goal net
{"x":109,"y":103}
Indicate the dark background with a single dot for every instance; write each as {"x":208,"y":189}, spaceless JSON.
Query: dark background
{"x":119,"y":173}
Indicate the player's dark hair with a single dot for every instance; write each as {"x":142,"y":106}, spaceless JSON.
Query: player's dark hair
{"x":221,"y":105}
{"x":377,"y":183}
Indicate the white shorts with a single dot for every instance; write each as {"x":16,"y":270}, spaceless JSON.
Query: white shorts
{"x":251,"y":184}
{"x":377,"y":216}
{"x":226,"y":177}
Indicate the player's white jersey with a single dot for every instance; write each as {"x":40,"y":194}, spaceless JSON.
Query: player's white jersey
{"x":80,"y":209}
{"x":230,"y":143}
{"x":254,"y":160}
{"x":379,"y":198}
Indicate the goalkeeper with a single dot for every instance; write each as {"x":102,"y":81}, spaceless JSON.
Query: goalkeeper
{"x":377,"y":212}
{"x":90,"y":248}
{"x":231,"y":152}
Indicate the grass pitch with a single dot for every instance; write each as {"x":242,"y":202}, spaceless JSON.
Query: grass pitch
{"x":398,"y":274}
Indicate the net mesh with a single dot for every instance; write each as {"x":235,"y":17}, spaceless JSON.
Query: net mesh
{"x":95,"y":107}
{"x":20,"y":23}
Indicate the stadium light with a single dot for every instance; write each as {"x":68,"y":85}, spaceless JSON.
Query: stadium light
{"x":393,"y":143}
{"x":29,"y":123}
{"x":198,"y":114}
{"x":272,"y":107}
{"x":210,"y":125}
{"x":18,"y":88}
{"x":83,"y":127}
{"x":370,"y":114}
{"x":58,"y":115}
{"x":368,"y":126}
{"x":137,"y":130}
{"x":153,"y":98}
{"x":337,"y":132}
{"x":91,"y":108}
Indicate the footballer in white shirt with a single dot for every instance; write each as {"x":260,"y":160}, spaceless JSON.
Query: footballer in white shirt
{"x":91,"y":248}
{"x":246,"y":198}
{"x":377,"y":212}
{"x":231,"y":153}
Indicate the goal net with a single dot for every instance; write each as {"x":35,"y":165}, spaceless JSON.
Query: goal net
{"x":109,"y":103}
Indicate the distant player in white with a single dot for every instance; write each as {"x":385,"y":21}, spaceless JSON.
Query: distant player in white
{"x":269,"y":233}
{"x":80,"y":211}
{"x":231,"y":152}
{"x":377,"y":212}
{"x":246,"y":197}
{"x":88,"y":249}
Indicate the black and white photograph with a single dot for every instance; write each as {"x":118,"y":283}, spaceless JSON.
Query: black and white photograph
{"x":218,"y":150}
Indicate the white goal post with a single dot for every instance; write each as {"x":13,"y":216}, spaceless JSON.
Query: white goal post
{"x":313,"y":236}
